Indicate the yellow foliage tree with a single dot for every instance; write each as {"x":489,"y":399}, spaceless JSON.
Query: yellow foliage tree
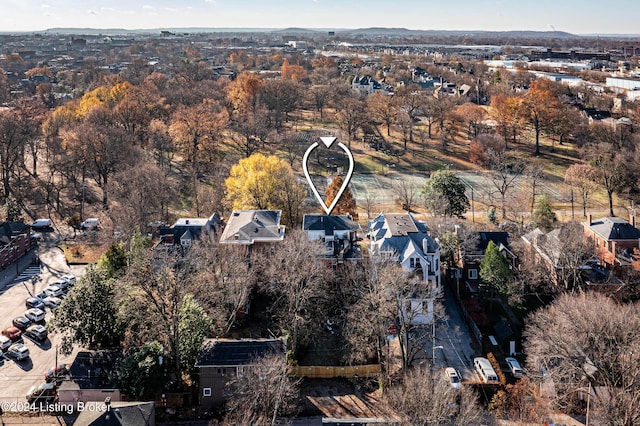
{"x":261,"y":182}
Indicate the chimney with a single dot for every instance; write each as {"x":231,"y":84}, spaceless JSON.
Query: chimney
{"x":632,"y":218}
{"x":589,"y":219}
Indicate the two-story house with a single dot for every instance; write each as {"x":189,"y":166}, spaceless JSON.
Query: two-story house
{"x":616,"y":241}
{"x":186,"y":230}
{"x":253,"y":227}
{"x":474,"y":254}
{"x":400,"y":236}
{"x":338,"y":232}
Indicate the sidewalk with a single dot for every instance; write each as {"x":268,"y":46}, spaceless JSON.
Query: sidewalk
{"x":10,"y":273}
{"x":28,"y":420}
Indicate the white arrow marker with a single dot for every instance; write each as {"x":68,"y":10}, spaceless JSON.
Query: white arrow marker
{"x":327,"y":141}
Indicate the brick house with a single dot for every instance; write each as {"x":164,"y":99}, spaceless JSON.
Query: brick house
{"x":617,"y":243}
{"x":15,"y":242}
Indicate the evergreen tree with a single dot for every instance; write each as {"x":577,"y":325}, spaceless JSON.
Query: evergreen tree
{"x":494,"y":270}
{"x":543,"y":213}
{"x":444,"y":194}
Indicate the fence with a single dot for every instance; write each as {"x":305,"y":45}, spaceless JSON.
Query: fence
{"x":322,"y":372}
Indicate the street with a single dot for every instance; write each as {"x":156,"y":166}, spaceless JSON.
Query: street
{"x":454,"y":344}
{"x":16,"y":377}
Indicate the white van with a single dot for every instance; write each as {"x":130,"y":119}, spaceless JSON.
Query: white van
{"x":41,"y":223}
{"x":485,"y":370}
{"x":90,"y":223}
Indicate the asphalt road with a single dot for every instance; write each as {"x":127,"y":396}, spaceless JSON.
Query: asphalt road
{"x":16,"y":377}
{"x":454,"y":342}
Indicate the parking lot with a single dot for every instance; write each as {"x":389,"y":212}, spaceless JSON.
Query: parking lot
{"x":16,"y":377}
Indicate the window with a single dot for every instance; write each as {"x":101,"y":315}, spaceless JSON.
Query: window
{"x":412,"y":262}
{"x":206,"y":391}
{"x":222,"y":371}
{"x":473,"y":274}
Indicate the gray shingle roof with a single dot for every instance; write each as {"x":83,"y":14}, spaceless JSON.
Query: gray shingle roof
{"x":331,"y":223}
{"x":249,"y":226}
{"x":614,"y":228}
{"x":229,"y":352}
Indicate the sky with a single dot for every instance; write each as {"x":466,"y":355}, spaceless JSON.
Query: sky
{"x":574,"y":16}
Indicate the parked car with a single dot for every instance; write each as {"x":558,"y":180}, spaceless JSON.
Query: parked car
{"x":62,"y":285}
{"x":41,"y":223}
{"x":56,"y":373}
{"x":52,"y":302}
{"x":514,"y":367}
{"x":485,"y":370}
{"x":91,"y":223}
{"x":53,"y":291}
{"x":454,"y":377}
{"x":5,"y":342}
{"x":21,"y":322}
{"x":37,"y":332}
{"x":45,"y":393}
{"x":18,"y":351}
{"x":35,"y":314}
{"x":41,"y":296}
{"x":69,"y":279}
{"x":34,"y":302}
{"x":13,"y":333}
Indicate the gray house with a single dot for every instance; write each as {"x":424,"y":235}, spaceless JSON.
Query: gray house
{"x":221,"y":360}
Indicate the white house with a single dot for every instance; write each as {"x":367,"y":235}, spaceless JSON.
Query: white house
{"x":406,"y":239}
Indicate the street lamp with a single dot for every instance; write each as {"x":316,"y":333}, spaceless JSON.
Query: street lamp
{"x":433,"y":356}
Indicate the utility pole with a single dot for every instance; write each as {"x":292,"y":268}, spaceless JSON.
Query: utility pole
{"x":573,"y":216}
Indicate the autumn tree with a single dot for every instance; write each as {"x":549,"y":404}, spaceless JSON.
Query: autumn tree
{"x":320,"y":94}
{"x":196,"y":131}
{"x":261,"y":182}
{"x":351,"y":115}
{"x":17,"y":130}
{"x":346,"y":204}
{"x":540,"y":104}
{"x":292,"y":72}
{"x":384,"y":108}
{"x":507,"y":111}
{"x":243,"y":93}
{"x":444,"y":194}
{"x":280,"y":97}
{"x":472,"y":115}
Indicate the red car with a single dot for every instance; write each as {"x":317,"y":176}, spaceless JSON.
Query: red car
{"x":56,"y":373}
{"x":12,"y":333}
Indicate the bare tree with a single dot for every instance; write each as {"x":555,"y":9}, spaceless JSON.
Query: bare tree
{"x":503,"y":173}
{"x":426,"y":397}
{"x":407,"y":193}
{"x":582,"y":177}
{"x":295,"y":271}
{"x":262,"y":394}
{"x":589,"y":341}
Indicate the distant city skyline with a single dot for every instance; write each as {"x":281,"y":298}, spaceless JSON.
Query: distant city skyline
{"x":573,"y":16}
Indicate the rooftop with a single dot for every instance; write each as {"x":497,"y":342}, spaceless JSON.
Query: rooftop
{"x":229,"y":352}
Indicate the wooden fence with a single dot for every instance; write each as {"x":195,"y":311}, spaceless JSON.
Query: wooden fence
{"x":322,"y":372}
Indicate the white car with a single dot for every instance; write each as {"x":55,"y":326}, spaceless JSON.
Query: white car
{"x":514,"y":367}
{"x":454,"y":377}
{"x":53,"y":291}
{"x":41,"y":223}
{"x":38,"y":332}
{"x":69,"y":279}
{"x":35,"y":314}
{"x":18,"y":351}
{"x":5,"y":342}
{"x":52,"y":302}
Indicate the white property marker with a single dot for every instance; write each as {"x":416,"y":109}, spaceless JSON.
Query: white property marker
{"x":327,"y":141}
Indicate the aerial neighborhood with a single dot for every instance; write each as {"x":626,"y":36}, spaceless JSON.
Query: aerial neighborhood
{"x":168,"y":256}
